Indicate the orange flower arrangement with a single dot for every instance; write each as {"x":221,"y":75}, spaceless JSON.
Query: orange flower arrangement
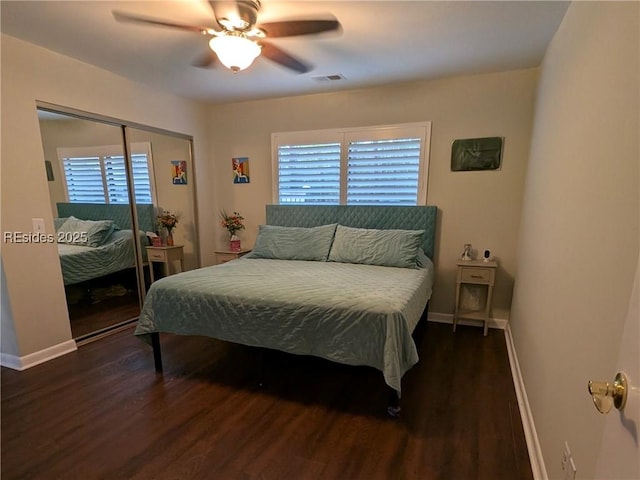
{"x":232,"y":223}
{"x":167,"y":220}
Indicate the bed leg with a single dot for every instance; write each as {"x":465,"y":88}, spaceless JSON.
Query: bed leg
{"x":394,"y":404}
{"x":157,"y":353}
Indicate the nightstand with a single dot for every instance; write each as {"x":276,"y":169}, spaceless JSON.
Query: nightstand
{"x":224,"y":256}
{"x":475,"y":272}
{"x":166,"y":255}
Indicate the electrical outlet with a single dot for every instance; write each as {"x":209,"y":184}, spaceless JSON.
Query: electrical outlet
{"x":568,"y":465}
{"x":38,"y":225}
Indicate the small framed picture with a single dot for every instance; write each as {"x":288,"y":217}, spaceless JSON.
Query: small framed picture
{"x":240,"y":169}
{"x":476,"y":154}
{"x":179,"y":172}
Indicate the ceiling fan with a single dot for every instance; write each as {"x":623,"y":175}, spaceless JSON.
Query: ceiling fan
{"x":238,"y":39}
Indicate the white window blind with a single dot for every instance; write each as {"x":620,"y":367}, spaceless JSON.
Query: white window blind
{"x":383,"y":172}
{"x":98,"y":174}
{"x":84,"y":179}
{"x":385,"y":165}
{"x":116,"y":179}
{"x":309,"y":173}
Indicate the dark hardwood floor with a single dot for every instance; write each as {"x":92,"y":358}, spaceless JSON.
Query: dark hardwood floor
{"x":103,"y":413}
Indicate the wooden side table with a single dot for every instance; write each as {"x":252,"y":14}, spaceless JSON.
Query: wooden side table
{"x":166,"y":255}
{"x":475,"y":272}
{"x":224,"y":256}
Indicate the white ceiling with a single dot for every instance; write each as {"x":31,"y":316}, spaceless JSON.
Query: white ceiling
{"x":381,"y":42}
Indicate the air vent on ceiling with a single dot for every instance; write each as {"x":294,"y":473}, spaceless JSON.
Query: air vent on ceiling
{"x":328,"y":78}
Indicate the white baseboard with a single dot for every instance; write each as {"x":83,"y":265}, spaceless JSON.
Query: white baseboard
{"x":36,"y":358}
{"x":533,"y":445}
{"x":500,"y":323}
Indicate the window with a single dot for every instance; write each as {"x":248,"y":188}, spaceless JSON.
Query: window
{"x":365,"y":166}
{"x":309,"y":173}
{"x":98,"y":174}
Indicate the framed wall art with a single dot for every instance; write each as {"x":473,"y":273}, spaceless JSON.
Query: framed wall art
{"x":49,"y":168}
{"x":179,"y":172}
{"x":476,"y":154}
{"x":240,"y":169}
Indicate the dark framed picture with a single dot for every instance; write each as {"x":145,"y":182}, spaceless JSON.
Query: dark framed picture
{"x":470,"y":154}
{"x":49,"y":168}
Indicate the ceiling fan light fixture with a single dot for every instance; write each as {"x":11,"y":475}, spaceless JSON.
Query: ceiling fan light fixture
{"x":236,"y":52}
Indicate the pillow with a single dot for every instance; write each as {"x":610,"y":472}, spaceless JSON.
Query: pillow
{"x":58,"y":222}
{"x":389,"y":248}
{"x":90,"y":233}
{"x":294,"y":243}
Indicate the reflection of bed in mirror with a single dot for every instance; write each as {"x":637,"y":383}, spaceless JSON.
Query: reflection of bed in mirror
{"x":96,"y":240}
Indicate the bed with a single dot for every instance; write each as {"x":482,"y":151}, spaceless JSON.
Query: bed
{"x":345,"y":283}
{"x":95,"y":240}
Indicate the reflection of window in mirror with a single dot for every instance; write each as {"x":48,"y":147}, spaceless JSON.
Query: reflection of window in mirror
{"x":97,"y":174}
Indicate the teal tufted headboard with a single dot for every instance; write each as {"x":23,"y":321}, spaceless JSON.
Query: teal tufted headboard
{"x":120,"y":214}
{"x":359,"y":216}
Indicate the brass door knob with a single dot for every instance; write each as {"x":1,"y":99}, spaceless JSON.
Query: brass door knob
{"x":605,"y":394}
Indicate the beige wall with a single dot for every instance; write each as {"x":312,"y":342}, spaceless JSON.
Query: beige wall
{"x":481,"y":208}
{"x":31,"y":73}
{"x":579,"y":239}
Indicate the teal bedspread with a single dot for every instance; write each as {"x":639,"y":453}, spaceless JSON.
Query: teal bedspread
{"x":80,"y":263}
{"x":347,"y":313}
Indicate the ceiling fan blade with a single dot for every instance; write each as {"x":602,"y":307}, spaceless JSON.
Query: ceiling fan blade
{"x":292,"y":28}
{"x":126,"y":17}
{"x":208,"y":59}
{"x":278,"y":55}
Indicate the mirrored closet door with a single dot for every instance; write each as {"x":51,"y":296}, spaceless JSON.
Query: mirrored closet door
{"x":96,"y":170}
{"x":174,"y":196}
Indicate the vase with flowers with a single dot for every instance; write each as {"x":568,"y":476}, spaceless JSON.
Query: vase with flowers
{"x":233,"y":223}
{"x":168,"y":221}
